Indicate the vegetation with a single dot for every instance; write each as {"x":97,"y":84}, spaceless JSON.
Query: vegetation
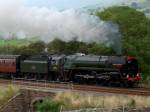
{"x":32,"y":49}
{"x":73,"y":101}
{"x":49,"y":105}
{"x":135,"y":30}
{"x":62,"y":47}
{"x":6,"y":93}
{"x":134,"y":27}
{"x":15,"y":45}
{"x":58,"y":46}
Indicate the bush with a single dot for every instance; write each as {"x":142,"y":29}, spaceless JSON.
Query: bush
{"x":49,"y":105}
{"x":132,"y":103}
{"x":145,"y":79}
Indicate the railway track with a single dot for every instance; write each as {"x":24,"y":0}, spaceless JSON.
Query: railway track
{"x":44,"y":84}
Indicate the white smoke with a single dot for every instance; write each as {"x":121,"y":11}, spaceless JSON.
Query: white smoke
{"x":48,"y":24}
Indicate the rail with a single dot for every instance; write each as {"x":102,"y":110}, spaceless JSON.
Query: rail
{"x":69,"y":85}
{"x":41,"y":83}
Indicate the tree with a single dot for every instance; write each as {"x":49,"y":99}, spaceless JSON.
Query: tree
{"x":37,"y":47}
{"x":135,"y":29}
{"x":56,"y":46}
{"x":132,"y":23}
{"x":31,"y":49}
{"x":100,"y":49}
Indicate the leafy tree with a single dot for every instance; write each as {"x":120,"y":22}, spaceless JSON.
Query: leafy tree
{"x":37,"y":47}
{"x":31,"y":49}
{"x":132,"y":23}
{"x":73,"y":46}
{"x":100,"y":49}
{"x":135,"y":29}
{"x":56,"y":46}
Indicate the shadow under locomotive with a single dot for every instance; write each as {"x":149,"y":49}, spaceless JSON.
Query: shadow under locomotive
{"x":86,"y":69}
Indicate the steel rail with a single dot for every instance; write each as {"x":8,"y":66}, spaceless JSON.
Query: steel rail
{"x":62,"y":85}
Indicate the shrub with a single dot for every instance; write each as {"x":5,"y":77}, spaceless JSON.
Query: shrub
{"x":49,"y":105}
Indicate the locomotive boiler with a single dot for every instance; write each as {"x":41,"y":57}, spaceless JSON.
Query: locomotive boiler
{"x":104,"y":70}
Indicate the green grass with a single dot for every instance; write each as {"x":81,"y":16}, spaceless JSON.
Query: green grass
{"x":73,"y":101}
{"x":12,"y":42}
{"x":6,"y":93}
{"x":17,"y":42}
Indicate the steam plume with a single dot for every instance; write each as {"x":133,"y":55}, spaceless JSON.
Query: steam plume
{"x":48,"y":24}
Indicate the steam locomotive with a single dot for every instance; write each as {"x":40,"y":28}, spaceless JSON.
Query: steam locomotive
{"x":86,"y":69}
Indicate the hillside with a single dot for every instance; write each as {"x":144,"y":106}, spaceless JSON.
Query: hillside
{"x":140,"y":5}
{"x":16,"y":42}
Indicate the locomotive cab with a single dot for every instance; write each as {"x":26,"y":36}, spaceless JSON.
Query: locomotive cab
{"x":57,"y":62}
{"x":56,"y":68}
{"x":129,"y":70}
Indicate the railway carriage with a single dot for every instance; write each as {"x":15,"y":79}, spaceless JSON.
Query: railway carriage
{"x":9,"y":65}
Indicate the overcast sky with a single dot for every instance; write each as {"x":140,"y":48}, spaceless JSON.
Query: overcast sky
{"x":65,"y":4}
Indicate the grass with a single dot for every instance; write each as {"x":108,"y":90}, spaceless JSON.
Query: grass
{"x":17,"y":42}
{"x":72,"y":101}
{"x":6,"y":93}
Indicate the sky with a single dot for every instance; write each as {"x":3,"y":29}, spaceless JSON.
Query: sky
{"x":75,"y":4}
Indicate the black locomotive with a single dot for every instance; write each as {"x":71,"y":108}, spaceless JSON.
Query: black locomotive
{"x":87,"y":69}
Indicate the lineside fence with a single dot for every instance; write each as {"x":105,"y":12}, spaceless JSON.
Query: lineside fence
{"x":41,"y":83}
